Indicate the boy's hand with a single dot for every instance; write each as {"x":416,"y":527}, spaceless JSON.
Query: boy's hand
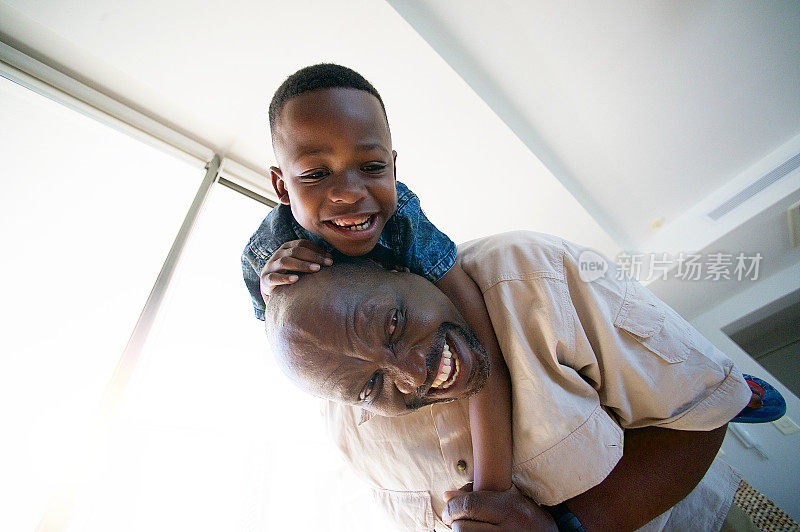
{"x":301,"y":256}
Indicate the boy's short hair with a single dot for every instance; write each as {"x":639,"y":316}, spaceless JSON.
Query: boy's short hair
{"x":315,"y":77}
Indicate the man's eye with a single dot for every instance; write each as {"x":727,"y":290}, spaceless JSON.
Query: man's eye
{"x":393,"y":321}
{"x":373,"y":167}
{"x":369,"y":388}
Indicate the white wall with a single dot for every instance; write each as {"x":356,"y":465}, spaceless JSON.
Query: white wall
{"x":778,"y":477}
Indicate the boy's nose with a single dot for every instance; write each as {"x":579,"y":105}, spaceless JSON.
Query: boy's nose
{"x":348,"y":188}
{"x":412,"y":372}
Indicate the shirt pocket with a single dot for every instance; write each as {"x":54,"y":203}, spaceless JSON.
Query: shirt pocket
{"x":409,"y":510}
{"x":654,"y":325}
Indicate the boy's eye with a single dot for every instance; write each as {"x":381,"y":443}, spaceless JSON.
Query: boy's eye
{"x":316,"y":174}
{"x":369,"y":388}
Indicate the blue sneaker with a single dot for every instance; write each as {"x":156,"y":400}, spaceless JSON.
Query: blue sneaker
{"x":773,"y":405}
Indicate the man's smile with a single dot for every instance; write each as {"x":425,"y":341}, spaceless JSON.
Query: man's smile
{"x":448,"y":369}
{"x":451,"y":369}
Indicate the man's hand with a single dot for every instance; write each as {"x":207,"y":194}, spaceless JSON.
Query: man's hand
{"x":484,"y":511}
{"x":301,"y":256}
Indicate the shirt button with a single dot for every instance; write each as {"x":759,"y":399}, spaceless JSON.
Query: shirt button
{"x":461,"y":465}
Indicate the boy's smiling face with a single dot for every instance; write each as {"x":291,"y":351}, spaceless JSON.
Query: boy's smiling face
{"x":337,"y":166}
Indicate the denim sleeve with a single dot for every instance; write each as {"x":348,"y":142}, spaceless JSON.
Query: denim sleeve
{"x":427,"y":251}
{"x":276,"y":229}
{"x":253,"y":283}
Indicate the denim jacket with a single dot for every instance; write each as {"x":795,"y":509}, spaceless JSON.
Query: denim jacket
{"x":408,"y":240}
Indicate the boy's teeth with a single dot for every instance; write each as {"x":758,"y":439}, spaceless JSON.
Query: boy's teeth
{"x":353,"y":224}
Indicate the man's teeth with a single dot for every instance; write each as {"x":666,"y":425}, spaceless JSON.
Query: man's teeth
{"x":448,"y":370}
{"x":353,"y":224}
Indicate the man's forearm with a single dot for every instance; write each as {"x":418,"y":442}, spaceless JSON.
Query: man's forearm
{"x":658,"y":469}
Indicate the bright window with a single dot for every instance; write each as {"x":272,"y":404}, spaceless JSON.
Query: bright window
{"x":87,"y":216}
{"x":209,"y":435}
{"x":212,"y":436}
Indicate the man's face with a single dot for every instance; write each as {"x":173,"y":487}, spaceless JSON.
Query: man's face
{"x":337,"y":167}
{"x":379,"y":343}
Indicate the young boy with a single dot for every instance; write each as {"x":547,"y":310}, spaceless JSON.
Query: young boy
{"x":339,"y":195}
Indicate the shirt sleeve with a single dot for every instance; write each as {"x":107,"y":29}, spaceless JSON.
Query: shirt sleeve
{"x":424,"y":249}
{"x":275,"y":230}
{"x":649,"y":366}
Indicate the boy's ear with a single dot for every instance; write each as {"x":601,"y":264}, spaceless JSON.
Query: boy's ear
{"x":394,"y":158}
{"x":279,"y":185}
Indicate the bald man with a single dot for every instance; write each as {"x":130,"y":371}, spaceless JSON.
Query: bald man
{"x":619,"y":405}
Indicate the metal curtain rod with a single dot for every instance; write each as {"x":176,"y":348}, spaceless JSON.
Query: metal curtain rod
{"x":55,"y":85}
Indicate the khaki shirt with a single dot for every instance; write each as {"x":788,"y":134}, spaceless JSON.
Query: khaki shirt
{"x":587,"y":360}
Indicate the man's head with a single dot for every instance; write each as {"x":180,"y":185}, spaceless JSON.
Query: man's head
{"x":389,"y":342}
{"x":334,"y":149}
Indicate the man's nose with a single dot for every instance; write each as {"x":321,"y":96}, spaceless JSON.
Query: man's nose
{"x":412,"y":372}
{"x":348,"y":187}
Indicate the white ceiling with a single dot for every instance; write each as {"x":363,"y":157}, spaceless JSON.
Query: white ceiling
{"x":640,"y":108}
{"x":504,"y":113}
{"x":208,"y":69}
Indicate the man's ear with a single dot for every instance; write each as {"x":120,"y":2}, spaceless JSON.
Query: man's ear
{"x":279,"y":185}
{"x":394,"y":159}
